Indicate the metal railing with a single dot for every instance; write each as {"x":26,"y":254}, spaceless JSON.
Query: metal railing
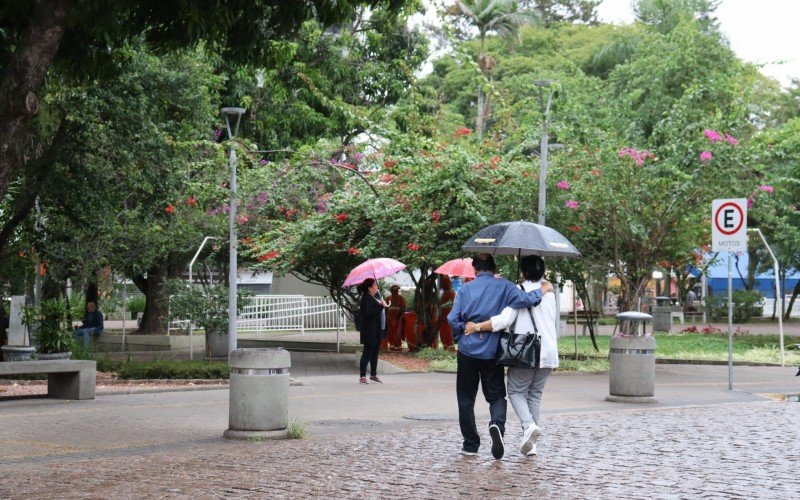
{"x":770,"y":303}
{"x":269,"y":313}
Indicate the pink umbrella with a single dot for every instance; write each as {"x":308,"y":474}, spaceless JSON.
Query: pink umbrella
{"x":457,"y":267}
{"x":373,"y":268}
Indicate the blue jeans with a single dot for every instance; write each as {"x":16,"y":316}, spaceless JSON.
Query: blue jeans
{"x":86,"y":333}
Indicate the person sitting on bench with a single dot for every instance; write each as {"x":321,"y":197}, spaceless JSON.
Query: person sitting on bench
{"x":92,"y":324}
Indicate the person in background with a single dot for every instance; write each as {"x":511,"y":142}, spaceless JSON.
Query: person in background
{"x":446,"y":300}
{"x":373,"y":328}
{"x":92,"y":324}
{"x":477,"y":301}
{"x":393,"y":318}
{"x":690,"y":298}
{"x":525,"y":384}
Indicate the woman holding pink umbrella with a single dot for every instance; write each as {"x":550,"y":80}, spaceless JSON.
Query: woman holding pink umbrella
{"x":373,"y":328}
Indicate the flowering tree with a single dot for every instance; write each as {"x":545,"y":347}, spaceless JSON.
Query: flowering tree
{"x":418,"y":201}
{"x":630,"y":210}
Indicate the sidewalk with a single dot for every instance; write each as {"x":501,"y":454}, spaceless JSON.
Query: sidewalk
{"x":401,"y":439}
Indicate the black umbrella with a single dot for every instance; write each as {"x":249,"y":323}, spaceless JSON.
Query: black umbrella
{"x":521,"y":238}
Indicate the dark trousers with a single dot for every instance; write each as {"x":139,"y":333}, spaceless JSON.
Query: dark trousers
{"x":370,"y":355}
{"x":470,"y":372}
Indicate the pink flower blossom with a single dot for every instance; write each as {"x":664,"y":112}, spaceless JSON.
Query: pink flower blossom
{"x":765,"y":188}
{"x":706,"y":156}
{"x":750,"y":201}
{"x":712,"y":135}
{"x":562,"y":185}
{"x":572,"y":204}
{"x":635,"y":155}
{"x":733,"y":141}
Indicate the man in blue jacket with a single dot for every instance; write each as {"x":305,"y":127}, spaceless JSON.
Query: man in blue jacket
{"x":92,"y":324}
{"x":477,"y":301}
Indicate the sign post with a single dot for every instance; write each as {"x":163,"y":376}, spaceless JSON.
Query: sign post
{"x":729,"y":234}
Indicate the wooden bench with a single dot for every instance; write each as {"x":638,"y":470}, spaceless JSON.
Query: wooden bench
{"x":66,"y":378}
{"x":582,"y":318}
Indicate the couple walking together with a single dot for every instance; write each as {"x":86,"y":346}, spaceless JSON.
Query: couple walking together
{"x":481,"y":309}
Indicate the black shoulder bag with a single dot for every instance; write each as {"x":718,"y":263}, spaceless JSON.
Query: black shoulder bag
{"x":519,"y":349}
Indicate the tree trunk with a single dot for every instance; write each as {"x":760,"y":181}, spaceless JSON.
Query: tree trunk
{"x":156,"y":306}
{"x":23,"y":77}
{"x":795,"y":293}
{"x":479,"y":119}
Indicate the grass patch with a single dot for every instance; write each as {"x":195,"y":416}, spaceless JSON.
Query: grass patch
{"x":296,"y":430}
{"x":435,"y":354}
{"x":442,"y":360}
{"x":691,"y":346}
{"x":444,"y":365}
{"x":584,"y":364}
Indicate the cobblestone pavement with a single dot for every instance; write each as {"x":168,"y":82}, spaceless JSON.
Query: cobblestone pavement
{"x":401,"y":439}
{"x":739,"y":450}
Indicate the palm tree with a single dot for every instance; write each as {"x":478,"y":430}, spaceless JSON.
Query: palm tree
{"x":502,"y":17}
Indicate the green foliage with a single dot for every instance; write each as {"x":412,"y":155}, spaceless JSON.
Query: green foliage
{"x":435,"y":354}
{"x":329,"y":83}
{"x":136,"y":305}
{"x":51,"y":332}
{"x":206,"y":307}
{"x":745,"y":306}
{"x":108,"y":365}
{"x":167,"y":369}
{"x":296,"y":430}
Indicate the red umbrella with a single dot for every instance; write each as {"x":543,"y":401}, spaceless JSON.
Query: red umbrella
{"x":373,"y":268}
{"x":457,"y":267}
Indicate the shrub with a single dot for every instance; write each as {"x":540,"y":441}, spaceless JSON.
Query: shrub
{"x":166,"y":369}
{"x":745,"y":303}
{"x":136,"y":305}
{"x":51,"y":332}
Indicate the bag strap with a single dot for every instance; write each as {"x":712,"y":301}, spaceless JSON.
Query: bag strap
{"x":530,"y":312}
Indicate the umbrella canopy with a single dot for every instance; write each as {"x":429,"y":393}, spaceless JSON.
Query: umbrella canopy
{"x":521,"y":238}
{"x":457,"y":267}
{"x":373,"y":268}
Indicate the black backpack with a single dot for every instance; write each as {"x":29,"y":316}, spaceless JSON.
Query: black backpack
{"x":358,"y":319}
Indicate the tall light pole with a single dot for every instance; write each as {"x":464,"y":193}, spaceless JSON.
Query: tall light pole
{"x":233,"y":268}
{"x":550,"y":87}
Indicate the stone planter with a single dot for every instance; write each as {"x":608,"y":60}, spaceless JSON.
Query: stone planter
{"x":53,"y":355}
{"x":217,"y":344}
{"x":17,"y":352}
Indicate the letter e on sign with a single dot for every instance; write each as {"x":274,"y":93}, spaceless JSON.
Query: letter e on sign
{"x":729,"y":225}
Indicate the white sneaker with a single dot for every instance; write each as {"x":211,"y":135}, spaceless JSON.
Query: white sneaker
{"x":532,"y":453}
{"x":529,"y":438}
{"x":469,"y":453}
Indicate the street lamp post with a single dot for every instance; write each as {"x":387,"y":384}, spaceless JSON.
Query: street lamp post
{"x":233,"y":269}
{"x":543,"y":148}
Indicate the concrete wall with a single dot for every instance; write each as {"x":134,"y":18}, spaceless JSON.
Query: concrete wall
{"x":291,"y":285}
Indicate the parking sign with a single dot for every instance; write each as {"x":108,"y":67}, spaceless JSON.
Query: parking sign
{"x":729,"y":225}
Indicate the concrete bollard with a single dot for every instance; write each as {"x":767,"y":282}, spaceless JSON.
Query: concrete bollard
{"x":259,"y":394}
